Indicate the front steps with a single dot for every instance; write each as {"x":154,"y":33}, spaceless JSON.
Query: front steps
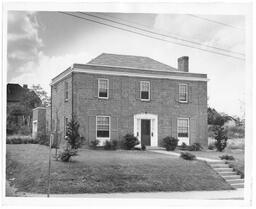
{"x":227,"y":173}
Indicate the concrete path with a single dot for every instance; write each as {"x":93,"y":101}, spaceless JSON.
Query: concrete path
{"x":178,"y":154}
{"x":193,"y":195}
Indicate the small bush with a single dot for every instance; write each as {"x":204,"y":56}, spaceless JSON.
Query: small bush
{"x":187,"y":156}
{"x":195,"y":147}
{"x":19,"y":139}
{"x":110,"y":145}
{"x":183,"y":146}
{"x":211,"y":146}
{"x":227,"y":157}
{"x":66,"y":155}
{"x":94,"y":143}
{"x":143,"y":147}
{"x":170,"y":143}
{"x":130,"y":141}
{"x":43,"y":139}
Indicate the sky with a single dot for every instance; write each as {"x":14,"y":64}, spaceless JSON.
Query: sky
{"x":40,"y":45}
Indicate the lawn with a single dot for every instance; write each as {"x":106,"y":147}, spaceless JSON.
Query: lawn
{"x":100,"y":171}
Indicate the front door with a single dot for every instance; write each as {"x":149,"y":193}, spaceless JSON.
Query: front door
{"x":145,"y":132}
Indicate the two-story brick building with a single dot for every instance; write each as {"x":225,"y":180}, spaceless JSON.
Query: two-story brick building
{"x":113,"y":95}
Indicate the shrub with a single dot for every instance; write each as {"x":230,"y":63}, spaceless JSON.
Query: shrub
{"x":183,"y":146}
{"x":114,"y":144}
{"x":170,"y":143}
{"x":110,"y":145}
{"x":227,"y":157}
{"x":19,"y":139}
{"x":43,"y":139}
{"x":221,"y":138}
{"x":187,"y":156}
{"x":94,"y":143}
{"x":195,"y":147}
{"x":211,"y":146}
{"x":130,"y":141}
{"x":143,"y":147}
{"x":66,"y":155}
{"x":72,"y":134}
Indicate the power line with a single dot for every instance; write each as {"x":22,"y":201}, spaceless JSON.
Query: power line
{"x":216,"y":22}
{"x":169,"y":36}
{"x":145,"y":35}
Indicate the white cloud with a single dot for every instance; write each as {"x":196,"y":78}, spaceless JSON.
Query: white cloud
{"x":46,"y":68}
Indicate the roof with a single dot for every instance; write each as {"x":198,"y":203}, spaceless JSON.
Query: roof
{"x":130,"y":61}
{"x":14,"y":92}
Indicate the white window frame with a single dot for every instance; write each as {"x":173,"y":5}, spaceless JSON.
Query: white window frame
{"x":178,"y":128}
{"x":141,"y":83}
{"x":66,"y":91}
{"x":103,"y":79}
{"x":103,"y":138}
{"x":183,"y":84}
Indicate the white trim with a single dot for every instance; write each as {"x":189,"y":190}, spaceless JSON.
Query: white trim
{"x":103,"y":79}
{"x":103,"y":138}
{"x":130,"y":74}
{"x":148,"y":82}
{"x":183,"y":139}
{"x":153,"y":127}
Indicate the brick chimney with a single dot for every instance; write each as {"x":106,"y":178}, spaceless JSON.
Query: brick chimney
{"x":183,"y":64}
{"x":25,"y":86}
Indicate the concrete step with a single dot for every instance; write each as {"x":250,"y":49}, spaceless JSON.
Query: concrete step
{"x":234,"y":177}
{"x":238,"y":185}
{"x":235,"y":181}
{"x":223,"y":169}
{"x":220,"y":165}
{"x":227,"y":173}
{"x":216,"y":162}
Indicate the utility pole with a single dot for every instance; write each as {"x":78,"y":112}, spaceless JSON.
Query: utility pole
{"x":49,"y":167}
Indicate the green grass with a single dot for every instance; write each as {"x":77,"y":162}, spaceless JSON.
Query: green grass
{"x":100,"y":171}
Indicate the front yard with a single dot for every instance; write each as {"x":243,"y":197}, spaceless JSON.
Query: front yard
{"x":99,"y":171}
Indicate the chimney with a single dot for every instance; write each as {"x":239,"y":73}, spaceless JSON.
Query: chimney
{"x":25,"y":86}
{"x":183,"y":64}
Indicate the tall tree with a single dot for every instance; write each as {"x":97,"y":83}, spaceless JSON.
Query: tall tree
{"x":46,"y":100}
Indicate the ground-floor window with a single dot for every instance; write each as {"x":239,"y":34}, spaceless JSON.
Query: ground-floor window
{"x":183,"y":127}
{"x":103,"y":126}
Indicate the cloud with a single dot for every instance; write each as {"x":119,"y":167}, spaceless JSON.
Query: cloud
{"x":24,"y":44}
{"x":46,"y":68}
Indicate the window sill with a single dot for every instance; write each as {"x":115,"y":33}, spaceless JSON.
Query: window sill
{"x":183,"y":102}
{"x":66,"y":100}
{"x":106,"y":98}
{"x":145,"y":100}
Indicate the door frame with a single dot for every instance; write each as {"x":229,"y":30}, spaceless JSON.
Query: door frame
{"x":153,"y":127}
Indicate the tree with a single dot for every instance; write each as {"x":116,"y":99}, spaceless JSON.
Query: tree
{"x":72,"y":134}
{"x":46,"y":100}
{"x":216,"y":118}
{"x":221,"y":138}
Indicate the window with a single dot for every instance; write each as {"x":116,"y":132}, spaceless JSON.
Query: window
{"x":183,"y":127}
{"x":103,"y":88}
{"x":66,"y":91}
{"x":183,"y":93}
{"x":103,"y":126}
{"x":145,"y":90}
{"x":65,"y":125}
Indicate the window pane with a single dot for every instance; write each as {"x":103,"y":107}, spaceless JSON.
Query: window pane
{"x":144,"y":95}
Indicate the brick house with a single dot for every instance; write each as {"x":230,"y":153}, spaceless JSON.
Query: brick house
{"x":113,"y":95}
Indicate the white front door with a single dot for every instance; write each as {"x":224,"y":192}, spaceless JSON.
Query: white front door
{"x":142,"y":124}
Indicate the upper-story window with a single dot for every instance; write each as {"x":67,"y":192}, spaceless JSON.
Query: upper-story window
{"x":66,"y":91}
{"x":103,"y":88}
{"x":145,"y":90}
{"x":183,"y":93}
